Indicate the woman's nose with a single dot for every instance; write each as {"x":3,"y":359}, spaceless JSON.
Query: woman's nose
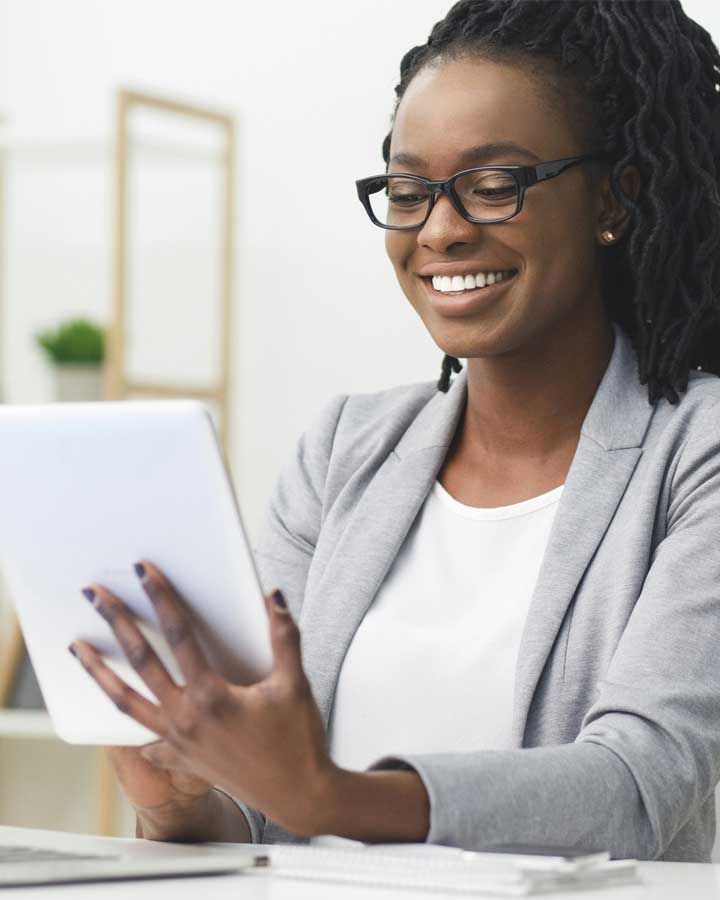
{"x":445,"y":227}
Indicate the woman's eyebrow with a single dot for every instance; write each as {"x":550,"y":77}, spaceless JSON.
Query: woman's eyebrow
{"x":473,"y":155}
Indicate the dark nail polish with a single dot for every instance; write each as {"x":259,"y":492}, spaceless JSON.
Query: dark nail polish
{"x":73,"y":651}
{"x":139,"y":570}
{"x":89,"y":594}
{"x":279,"y":601}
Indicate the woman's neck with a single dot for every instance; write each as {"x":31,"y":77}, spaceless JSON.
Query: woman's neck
{"x":532,"y":403}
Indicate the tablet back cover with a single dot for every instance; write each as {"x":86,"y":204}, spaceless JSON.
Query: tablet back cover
{"x":87,"y":490}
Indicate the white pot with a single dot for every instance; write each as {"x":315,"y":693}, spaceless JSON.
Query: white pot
{"x":78,"y":382}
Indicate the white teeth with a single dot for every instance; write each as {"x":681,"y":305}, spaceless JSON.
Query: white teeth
{"x":456,"y":283}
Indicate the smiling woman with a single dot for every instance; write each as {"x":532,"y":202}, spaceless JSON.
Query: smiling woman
{"x":638,"y":85}
{"x":499,"y":599}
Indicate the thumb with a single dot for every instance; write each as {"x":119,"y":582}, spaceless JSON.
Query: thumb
{"x":161,"y":755}
{"x":284,"y":639}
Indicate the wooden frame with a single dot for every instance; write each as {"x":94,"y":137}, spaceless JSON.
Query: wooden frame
{"x":117,"y":383}
{"x":11,"y":651}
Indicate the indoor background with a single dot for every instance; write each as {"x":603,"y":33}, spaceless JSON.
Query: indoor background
{"x":316,"y":309}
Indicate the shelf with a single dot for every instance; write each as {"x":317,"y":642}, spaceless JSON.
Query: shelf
{"x":26,"y":723}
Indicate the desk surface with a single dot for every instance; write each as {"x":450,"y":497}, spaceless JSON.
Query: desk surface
{"x":661,"y":881}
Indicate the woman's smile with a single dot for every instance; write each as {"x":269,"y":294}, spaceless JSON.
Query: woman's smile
{"x":450,"y":299}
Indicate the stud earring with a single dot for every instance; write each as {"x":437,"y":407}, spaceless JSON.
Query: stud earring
{"x":607,"y":236}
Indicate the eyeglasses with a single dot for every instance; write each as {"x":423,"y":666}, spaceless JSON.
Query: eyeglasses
{"x":486,"y":194}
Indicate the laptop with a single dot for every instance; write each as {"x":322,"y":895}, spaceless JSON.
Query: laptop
{"x":30,"y":857}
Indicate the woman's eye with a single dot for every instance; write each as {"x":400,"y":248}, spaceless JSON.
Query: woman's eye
{"x":494,"y":192}
{"x":407,"y":199}
{"x":486,"y":187}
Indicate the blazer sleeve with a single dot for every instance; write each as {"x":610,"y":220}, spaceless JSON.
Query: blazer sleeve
{"x":648,"y":752}
{"x":287,"y":539}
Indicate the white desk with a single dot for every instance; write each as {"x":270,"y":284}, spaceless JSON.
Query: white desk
{"x":661,"y":881}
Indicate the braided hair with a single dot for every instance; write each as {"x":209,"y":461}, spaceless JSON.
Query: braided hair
{"x":650,"y":76}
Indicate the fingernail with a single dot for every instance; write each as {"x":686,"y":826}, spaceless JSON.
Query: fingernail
{"x":139,"y":570}
{"x":73,"y":651}
{"x":90,"y":595}
{"x":279,"y":601}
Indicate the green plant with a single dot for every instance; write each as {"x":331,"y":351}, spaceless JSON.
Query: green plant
{"x":78,"y":341}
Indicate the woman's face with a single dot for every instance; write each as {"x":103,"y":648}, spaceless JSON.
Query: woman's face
{"x":552,"y":244}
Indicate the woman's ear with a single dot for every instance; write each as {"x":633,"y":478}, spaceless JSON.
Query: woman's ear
{"x":613,"y":216}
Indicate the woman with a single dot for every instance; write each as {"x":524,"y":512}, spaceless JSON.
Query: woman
{"x":508,"y":587}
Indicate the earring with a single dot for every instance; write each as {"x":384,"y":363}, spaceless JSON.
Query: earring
{"x":607,"y":236}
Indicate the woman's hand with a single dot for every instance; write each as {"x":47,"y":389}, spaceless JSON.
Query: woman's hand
{"x":264,"y":744}
{"x":169,"y":804}
{"x":150,"y":789}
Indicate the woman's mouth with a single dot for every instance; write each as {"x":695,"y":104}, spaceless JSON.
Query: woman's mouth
{"x":461,"y":294}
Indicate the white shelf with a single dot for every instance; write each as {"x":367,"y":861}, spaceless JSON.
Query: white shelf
{"x":26,"y":723}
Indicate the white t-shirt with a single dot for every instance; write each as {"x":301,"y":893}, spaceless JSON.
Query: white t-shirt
{"x":431,"y":667}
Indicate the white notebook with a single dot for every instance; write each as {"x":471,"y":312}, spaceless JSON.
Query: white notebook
{"x":435,"y":868}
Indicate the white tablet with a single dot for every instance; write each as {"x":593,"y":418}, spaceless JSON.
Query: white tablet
{"x":88,"y":489}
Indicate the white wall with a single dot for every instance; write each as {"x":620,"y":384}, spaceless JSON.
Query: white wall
{"x":317,"y":307}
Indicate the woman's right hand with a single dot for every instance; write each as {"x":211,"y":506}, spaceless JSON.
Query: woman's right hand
{"x":173,"y":805}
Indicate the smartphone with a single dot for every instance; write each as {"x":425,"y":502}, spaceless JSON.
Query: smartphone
{"x":550,"y":854}
{"x":557,"y":852}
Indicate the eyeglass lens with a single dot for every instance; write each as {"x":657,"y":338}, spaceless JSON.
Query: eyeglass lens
{"x":403,"y":202}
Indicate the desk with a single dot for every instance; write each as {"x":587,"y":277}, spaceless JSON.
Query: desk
{"x":661,"y":881}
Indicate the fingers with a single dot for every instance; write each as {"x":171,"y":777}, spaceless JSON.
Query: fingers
{"x":136,"y":647}
{"x":182,"y":709}
{"x":176,"y":622}
{"x":285,"y":642}
{"x":126,"y":699}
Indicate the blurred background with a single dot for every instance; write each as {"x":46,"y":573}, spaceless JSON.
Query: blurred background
{"x":126,"y":128}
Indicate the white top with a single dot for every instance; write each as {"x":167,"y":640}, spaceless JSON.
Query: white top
{"x":431,"y":667}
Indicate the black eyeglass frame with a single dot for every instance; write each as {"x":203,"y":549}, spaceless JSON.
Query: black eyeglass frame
{"x":525,"y":177}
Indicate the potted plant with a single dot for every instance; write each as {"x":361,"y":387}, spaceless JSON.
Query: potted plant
{"x":77,"y":350}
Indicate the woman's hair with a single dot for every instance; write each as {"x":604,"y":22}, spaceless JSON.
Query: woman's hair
{"x":649,"y":78}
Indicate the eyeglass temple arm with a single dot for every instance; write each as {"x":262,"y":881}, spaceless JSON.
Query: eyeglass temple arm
{"x":551,"y":169}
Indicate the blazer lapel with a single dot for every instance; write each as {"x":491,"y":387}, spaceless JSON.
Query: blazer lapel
{"x":606,"y":456}
{"x":372,"y":539}
{"x":593,"y":490}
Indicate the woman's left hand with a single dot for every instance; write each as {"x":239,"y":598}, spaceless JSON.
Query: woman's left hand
{"x":264,"y":744}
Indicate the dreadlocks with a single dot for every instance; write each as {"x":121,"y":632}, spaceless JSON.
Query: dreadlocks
{"x":649,"y":76}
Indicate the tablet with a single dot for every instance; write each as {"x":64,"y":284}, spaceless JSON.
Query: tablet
{"x":87,"y":490}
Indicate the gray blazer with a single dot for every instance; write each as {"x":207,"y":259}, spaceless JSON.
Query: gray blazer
{"x":616,"y":735}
